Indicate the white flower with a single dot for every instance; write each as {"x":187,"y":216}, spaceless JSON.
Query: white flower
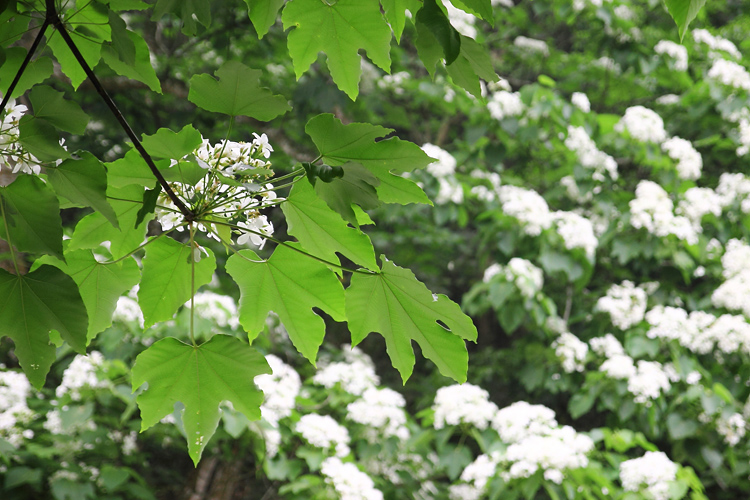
{"x":445,"y":164}
{"x":716,"y":42}
{"x":675,"y":51}
{"x":607,"y":346}
{"x":571,"y":351}
{"x":528,"y":278}
{"x":394,"y":82}
{"x":260,"y":142}
{"x":504,"y":103}
{"x":280,"y":389}
{"x":382,"y":410}
{"x":259,"y":224}
{"x":649,"y":381}
{"x":14,"y":412}
{"x":576,"y":232}
{"x":625,"y":303}
{"x":579,"y":141}
{"x":463,"y":404}
{"x":642,"y":124}
{"x":527,"y":206}
{"x":689,"y":161}
{"x":733,"y":428}
{"x":581,"y":101}
{"x":355,"y":376}
{"x":619,"y":366}
{"x":730,"y":74}
{"x":79,"y":374}
{"x":652,"y":209}
{"x":562,"y":448}
{"x":324,"y":432}
{"x":450,"y":190}
{"x":492,"y":271}
{"x":520,"y":420}
{"x":349,"y":482}
{"x":697,"y":202}
{"x":532,"y":45}
{"x":219,"y":309}
{"x":652,"y":472}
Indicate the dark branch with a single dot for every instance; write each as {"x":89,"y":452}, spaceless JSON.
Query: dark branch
{"x":25,"y":63}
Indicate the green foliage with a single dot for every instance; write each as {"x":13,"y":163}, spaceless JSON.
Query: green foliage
{"x":683,"y":12}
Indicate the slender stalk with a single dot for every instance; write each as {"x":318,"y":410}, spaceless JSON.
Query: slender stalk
{"x":25,"y":63}
{"x":192,"y":283}
{"x":287,"y":176}
{"x":142,"y":245}
{"x":7,"y":238}
{"x":53,"y":18}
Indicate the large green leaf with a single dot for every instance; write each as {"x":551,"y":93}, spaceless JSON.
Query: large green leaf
{"x":50,"y":105}
{"x":141,"y":70}
{"x":132,"y":169}
{"x":399,"y":307}
{"x":35,"y":304}
{"x":289,"y":284}
{"x":121,"y":41}
{"x":339,"y":144}
{"x":167,"y":274}
{"x":395,"y":14}
{"x":32,"y":214}
{"x":93,"y":229}
{"x":199,"y":377}
{"x":340,"y":29}
{"x":683,"y":12}
{"x":237,"y":92}
{"x":432,"y":17}
{"x":190,"y":11}
{"x":40,"y":139}
{"x":357,"y":186}
{"x":321,"y":231}
{"x":99,"y":284}
{"x":263,"y":14}
{"x":36,"y":72}
{"x":84,"y":182}
{"x":472,"y":64}
{"x":166,"y":144}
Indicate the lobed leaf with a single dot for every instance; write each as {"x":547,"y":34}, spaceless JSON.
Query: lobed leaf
{"x":263,"y":14}
{"x":140,"y":69}
{"x":49,"y":105}
{"x":683,"y":12}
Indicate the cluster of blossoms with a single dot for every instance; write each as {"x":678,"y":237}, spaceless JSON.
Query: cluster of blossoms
{"x":349,"y":482}
{"x":572,"y":351}
{"x":382,"y":411}
{"x":80,"y":374}
{"x":581,"y":101}
{"x":689,"y":161}
{"x":232,"y":190}
{"x":700,"y":331}
{"x":734,"y":189}
{"x":653,"y":210}
{"x":355,"y":375}
{"x":527,"y":206}
{"x":590,"y":157}
{"x":219,"y":309}
{"x":732,"y":428}
{"x":625,"y":303}
{"x":280,"y":389}
{"x":576,"y":232}
{"x":504,"y":103}
{"x":14,"y":412}
{"x":642,"y":124}
{"x":322,"y":431}
{"x":531,"y":45}
{"x":443,"y":170}
{"x":716,"y":43}
{"x":13,"y":155}
{"x":528,"y":278}
{"x":674,"y":50}
{"x":697,"y":202}
{"x":734,"y":293}
{"x":463,"y":404}
{"x":653,"y":472}
{"x":730,"y":73}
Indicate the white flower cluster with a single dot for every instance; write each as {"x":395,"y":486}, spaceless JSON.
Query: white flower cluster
{"x":537,"y":442}
{"x":531,"y":45}
{"x":730,"y":73}
{"x":607,"y":346}
{"x":445,"y":164}
{"x":475,"y":477}
{"x":732,"y":428}
{"x":648,"y":382}
{"x":280,"y":389}
{"x":697,"y":202}
{"x":689,"y":161}
{"x":356,"y":375}
{"x":527,"y":206}
{"x":14,"y":412}
{"x":653,"y":472}
{"x":743,"y":135}
{"x":220,"y":309}
{"x":734,"y":188}
{"x":128,"y":311}
{"x":716,"y":42}
{"x":504,"y":103}
{"x":571,"y":351}
{"x":652,"y":209}
{"x":395,"y":81}
{"x":13,"y":156}
{"x":463,"y":404}
{"x":81,"y":373}
{"x":642,"y":124}
{"x":349,"y":482}
{"x":322,"y":431}
{"x":674,"y":50}
{"x":528,"y":278}
{"x":576,"y":231}
{"x":734,"y":293}
{"x":382,"y":410}
{"x":211,"y":197}
{"x":589,"y":155}
{"x":625,"y":303}
{"x":581,"y":101}
{"x":484,"y":193}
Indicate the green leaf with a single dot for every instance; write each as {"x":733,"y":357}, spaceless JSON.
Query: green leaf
{"x":395,"y":14}
{"x":237,"y":92}
{"x":166,"y":283}
{"x":428,"y":48}
{"x":189,"y":11}
{"x":325,"y":173}
{"x":165,"y":144}
{"x":683,"y":12}
{"x":141,"y":70}
{"x":121,"y":41}
{"x":432,"y":17}
{"x":322,"y":232}
{"x":120,"y":5}
{"x":93,"y":229}
{"x":289,"y":284}
{"x":680,"y":428}
{"x":340,"y":29}
{"x":472,"y":64}
{"x":480,"y":8}
{"x":99,"y":284}
{"x":84,"y":182}
{"x":263,"y":14}
{"x":40,"y":139}
{"x":36,"y":72}
{"x":357,"y":186}
{"x":132,"y":169}
{"x":50,"y":105}
{"x":399,"y":307}
{"x":339,"y":144}
{"x":199,"y":377}
{"x":33,"y":305}
{"x":31,"y":216}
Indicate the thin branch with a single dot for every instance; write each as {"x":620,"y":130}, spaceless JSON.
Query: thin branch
{"x":25,"y":63}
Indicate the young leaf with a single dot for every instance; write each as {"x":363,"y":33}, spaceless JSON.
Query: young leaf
{"x":40,"y":138}
{"x":395,"y":14}
{"x":472,"y":64}
{"x":683,"y":12}
{"x":33,"y":305}
{"x":399,"y":307}
{"x":165,"y":144}
{"x":339,"y":144}
{"x":32,"y":214}
{"x":189,"y":11}
{"x":263,"y":14}
{"x":99,"y":284}
{"x":432,"y":17}
{"x":200,"y":377}
{"x":289,"y":284}
{"x":338,"y":28}
{"x":237,"y":92}
{"x":83,"y":182}
{"x":166,"y":283}
{"x":480,"y":8}
{"x":140,"y":70}
{"x":357,"y":186}
{"x":121,"y":41}
{"x":50,"y":105}
{"x":321,"y":231}
{"x":36,"y":72}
